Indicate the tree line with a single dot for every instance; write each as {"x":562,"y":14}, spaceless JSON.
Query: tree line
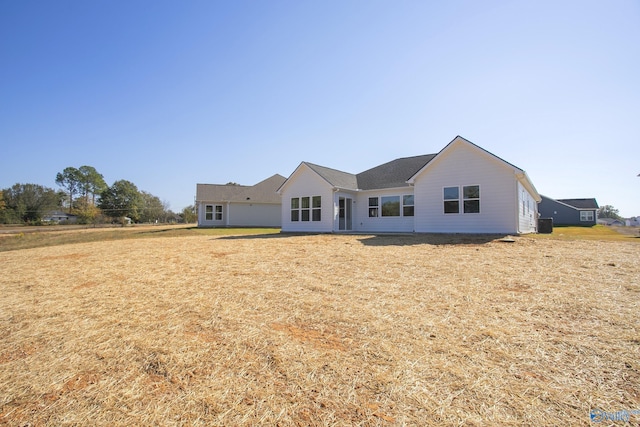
{"x":84,"y":194}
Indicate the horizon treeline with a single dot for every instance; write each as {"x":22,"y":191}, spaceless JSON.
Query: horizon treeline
{"x":84,"y":194}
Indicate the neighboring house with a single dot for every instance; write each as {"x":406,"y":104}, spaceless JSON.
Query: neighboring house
{"x":582,"y":212}
{"x":610,"y":222}
{"x":461,"y":189}
{"x":233,"y":205}
{"x":633,"y":221}
{"x":59,"y":216}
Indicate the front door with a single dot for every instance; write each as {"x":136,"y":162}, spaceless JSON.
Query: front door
{"x":344,"y":213}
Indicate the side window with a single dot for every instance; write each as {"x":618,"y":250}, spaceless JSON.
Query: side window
{"x":451,"y":196}
{"x":316,"y":213}
{"x":471,"y":195}
{"x":373,"y":207}
{"x":407,"y":205}
{"x":295,"y":209}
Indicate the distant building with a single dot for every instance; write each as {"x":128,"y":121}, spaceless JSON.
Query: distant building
{"x":611,"y":222}
{"x":233,"y":205}
{"x":59,"y":216}
{"x":583,"y":212}
{"x":632,"y":222}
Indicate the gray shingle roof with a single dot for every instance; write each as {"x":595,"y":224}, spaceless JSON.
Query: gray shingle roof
{"x":262,"y":192}
{"x":335,"y":177}
{"x":580,"y":203}
{"x":392,"y":174}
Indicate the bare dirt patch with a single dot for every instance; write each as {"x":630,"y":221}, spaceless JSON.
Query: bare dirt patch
{"x":319,"y":330}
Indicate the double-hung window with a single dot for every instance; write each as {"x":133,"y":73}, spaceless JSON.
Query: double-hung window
{"x":451,"y":197}
{"x":316,"y":208}
{"x":295,"y":209}
{"x":304,"y":205}
{"x":470,"y":199}
{"x":373,"y":207}
{"x":471,"y":195}
{"x":212,"y":212}
{"x":407,"y":205}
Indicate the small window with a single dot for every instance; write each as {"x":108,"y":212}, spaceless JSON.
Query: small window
{"x":208,"y":212}
{"x":451,"y":197}
{"x":390,"y":206}
{"x":373,"y":207}
{"x":304,"y":208}
{"x":295,"y":209}
{"x":471,"y":194}
{"x":316,"y":204}
{"x":407,"y":205}
{"x":218,"y":212}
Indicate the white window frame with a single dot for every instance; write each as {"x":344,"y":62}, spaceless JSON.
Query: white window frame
{"x":374,"y":210}
{"x":213,"y":212}
{"x":305,"y":209}
{"x":461,"y":199}
{"x":408,"y":205}
{"x":445,"y":200}
{"x":586,"y":216}
{"x":316,"y":208}
{"x":470,"y":199}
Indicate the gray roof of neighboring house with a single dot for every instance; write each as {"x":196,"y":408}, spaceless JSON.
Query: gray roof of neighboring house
{"x":580,"y":203}
{"x":262,"y":192}
{"x":392,"y":174}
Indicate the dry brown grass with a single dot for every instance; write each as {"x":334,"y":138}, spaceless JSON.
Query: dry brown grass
{"x":319,"y":330}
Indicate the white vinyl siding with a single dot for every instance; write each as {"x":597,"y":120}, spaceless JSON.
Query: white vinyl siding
{"x":527,"y":211}
{"x":464,"y":165}
{"x":253,"y":215}
{"x":305,"y":184}
{"x":239,"y":215}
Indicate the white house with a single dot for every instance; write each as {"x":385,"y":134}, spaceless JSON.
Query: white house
{"x":461,"y":189}
{"x":233,"y":205}
{"x":59,"y":216}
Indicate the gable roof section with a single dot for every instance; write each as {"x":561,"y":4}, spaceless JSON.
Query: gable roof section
{"x":520,"y":173}
{"x":335,"y":177}
{"x":392,"y":174}
{"x":262,"y":192}
{"x":580,"y":203}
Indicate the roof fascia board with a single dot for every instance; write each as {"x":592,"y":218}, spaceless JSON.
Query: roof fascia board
{"x":279,"y":191}
{"x":524,"y":180}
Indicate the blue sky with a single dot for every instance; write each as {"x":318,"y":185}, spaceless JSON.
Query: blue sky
{"x":168,"y":94}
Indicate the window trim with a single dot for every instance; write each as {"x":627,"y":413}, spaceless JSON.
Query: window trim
{"x":412,"y":205}
{"x":306,"y":209}
{"x":374,"y":209}
{"x":455,"y":200}
{"x":589,"y":216}
{"x":470,"y":199}
{"x":213,"y":212}
{"x":294,"y":207}
{"x":316,"y":209}
{"x":461,"y":200}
